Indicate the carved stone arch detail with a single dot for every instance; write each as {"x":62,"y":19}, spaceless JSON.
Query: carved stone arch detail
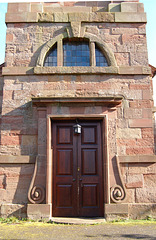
{"x":104,"y":47}
{"x":92,"y":38}
{"x":47,"y":46}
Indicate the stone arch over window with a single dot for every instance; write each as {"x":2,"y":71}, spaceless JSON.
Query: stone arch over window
{"x":95,"y":44}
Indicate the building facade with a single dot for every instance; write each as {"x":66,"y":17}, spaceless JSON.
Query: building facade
{"x":76,"y":112}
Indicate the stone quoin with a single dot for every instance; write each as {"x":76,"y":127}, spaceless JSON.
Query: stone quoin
{"x":77,"y":124}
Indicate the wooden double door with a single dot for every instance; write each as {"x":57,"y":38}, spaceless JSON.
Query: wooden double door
{"x":77,"y":169}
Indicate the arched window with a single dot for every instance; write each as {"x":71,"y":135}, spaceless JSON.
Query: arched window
{"x":100,"y":58}
{"x":75,"y":52}
{"x":51,"y":58}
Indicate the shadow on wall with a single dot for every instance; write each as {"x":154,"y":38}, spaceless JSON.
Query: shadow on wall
{"x":18,"y":138}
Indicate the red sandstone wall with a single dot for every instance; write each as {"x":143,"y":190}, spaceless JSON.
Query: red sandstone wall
{"x":130,"y":127}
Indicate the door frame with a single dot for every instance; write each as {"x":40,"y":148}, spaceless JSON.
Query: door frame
{"x":49,"y":178}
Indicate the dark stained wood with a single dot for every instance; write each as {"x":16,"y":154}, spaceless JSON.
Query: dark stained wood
{"x":77,"y":169}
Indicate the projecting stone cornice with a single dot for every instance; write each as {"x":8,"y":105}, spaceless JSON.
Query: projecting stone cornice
{"x":57,"y":17}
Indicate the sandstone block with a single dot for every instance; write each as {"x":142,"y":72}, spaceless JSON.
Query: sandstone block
{"x":39,"y":211}
{"x":12,"y":7}
{"x":101,"y":17}
{"x":125,"y":30}
{"x":61,"y":17}
{"x":114,"y":7}
{"x":149,"y":180}
{"x":17,"y":71}
{"x":116,"y":208}
{"x":21,"y":17}
{"x":130,"y":113}
{"x":10,"y":159}
{"x":146,"y":94}
{"x":141,"y":211}
{"x":17,"y":210}
{"x":134,"y":181}
{"x":129,"y":7}
{"x":29,"y":140}
{"x":137,"y":150}
{"x":138,"y":159}
{"x":45,"y":17}
{"x":130,"y":17}
{"x":23,"y":7}
{"x":140,"y":123}
{"x":36,"y":7}
{"x":128,"y":133}
{"x":78,"y":17}
{"x":146,"y":195}
{"x":9,"y":37}
{"x":140,"y":7}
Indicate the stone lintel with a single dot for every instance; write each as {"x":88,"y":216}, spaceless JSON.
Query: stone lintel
{"x":76,"y":70}
{"x":131,"y":17}
{"x":137,"y":159}
{"x":108,"y":100}
{"x":116,"y":208}
{"x":9,"y":159}
{"x":122,"y":70}
{"x":39,"y":211}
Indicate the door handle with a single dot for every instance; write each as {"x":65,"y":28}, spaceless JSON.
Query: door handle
{"x":74,"y":179}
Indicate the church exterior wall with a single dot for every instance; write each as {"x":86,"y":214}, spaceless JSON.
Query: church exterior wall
{"x":30,"y":91}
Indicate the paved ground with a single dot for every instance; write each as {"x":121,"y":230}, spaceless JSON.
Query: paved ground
{"x":105,"y":231}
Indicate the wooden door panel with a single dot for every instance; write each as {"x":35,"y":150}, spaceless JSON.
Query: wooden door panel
{"x":89,"y":161}
{"x":64,"y":196}
{"x":64,"y":135}
{"x":89,"y":135}
{"x":64,"y":162}
{"x":89,"y":195}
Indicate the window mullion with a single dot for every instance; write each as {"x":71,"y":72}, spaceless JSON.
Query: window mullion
{"x":92,"y":54}
{"x":60,"y":53}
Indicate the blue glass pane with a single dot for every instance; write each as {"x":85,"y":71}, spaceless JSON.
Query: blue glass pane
{"x":101,"y":61}
{"x":79,"y":53}
{"x":51,"y":58}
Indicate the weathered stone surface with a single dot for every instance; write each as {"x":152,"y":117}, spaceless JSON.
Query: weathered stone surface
{"x":116,"y":208}
{"x":129,"y":7}
{"x":101,"y":17}
{"x":146,"y":195}
{"x":17,"y":71}
{"x":130,"y":17}
{"x":142,"y":211}
{"x":78,"y":17}
{"x":128,"y":133}
{"x":8,"y":159}
{"x":114,"y":7}
{"x":61,"y":17}
{"x":137,"y":159}
{"x":39,"y":211}
{"x":21,"y":17}
{"x":76,"y":28}
{"x":17,"y":210}
{"x":134,"y":181}
{"x":149,"y":180}
{"x":45,"y":17}
{"x":142,"y":123}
